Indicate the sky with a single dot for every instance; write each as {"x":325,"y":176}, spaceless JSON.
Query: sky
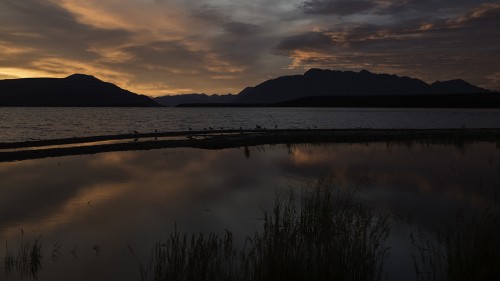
{"x":159,"y":47}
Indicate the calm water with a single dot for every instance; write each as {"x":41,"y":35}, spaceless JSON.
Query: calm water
{"x":111,"y":200}
{"x":20,"y":124}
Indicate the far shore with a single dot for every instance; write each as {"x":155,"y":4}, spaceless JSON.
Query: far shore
{"x":220,"y":139}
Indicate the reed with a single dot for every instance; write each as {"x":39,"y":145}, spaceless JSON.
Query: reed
{"x":28,"y":258}
{"x":325,"y":235}
{"x":467,"y":250}
{"x":198,"y":257}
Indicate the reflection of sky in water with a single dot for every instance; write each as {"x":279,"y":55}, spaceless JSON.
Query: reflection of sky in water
{"x":134,"y":198}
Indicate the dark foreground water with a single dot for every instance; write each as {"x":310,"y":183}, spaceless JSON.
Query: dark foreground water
{"x":90,"y":211}
{"x":20,"y":124}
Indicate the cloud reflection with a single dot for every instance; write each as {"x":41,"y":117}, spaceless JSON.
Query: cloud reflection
{"x":133,"y":198}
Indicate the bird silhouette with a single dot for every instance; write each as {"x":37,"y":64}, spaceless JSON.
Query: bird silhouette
{"x":135,"y":132}
{"x":190,"y":128}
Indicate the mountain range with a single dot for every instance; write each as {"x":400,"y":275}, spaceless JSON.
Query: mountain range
{"x":316,"y":87}
{"x":321,"y":82}
{"x":174,"y":100}
{"x":75,"y":90}
{"x":321,"y":87}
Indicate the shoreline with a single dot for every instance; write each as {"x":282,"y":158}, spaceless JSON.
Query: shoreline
{"x":221,"y":139}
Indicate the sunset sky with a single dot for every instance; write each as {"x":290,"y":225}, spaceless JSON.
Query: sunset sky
{"x":158,"y":47}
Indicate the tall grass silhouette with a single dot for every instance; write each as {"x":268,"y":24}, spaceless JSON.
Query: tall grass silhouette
{"x":27,"y":260}
{"x":469,"y":249}
{"x":326,"y":235}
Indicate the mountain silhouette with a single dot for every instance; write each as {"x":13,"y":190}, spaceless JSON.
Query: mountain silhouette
{"x":316,"y":87}
{"x":74,"y":90}
{"x":321,"y":82}
{"x":175,"y":100}
{"x":457,"y":86}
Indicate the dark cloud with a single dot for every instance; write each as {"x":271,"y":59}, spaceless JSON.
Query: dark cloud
{"x":338,"y":7}
{"x":52,"y":37}
{"x":426,"y":9}
{"x":397,"y":9}
{"x":438,"y":6}
{"x":309,"y":41}
{"x":216,"y":17}
{"x":236,"y":38}
{"x":240,"y":28}
{"x":242,"y":44}
{"x":460,"y":47}
{"x":164,"y":53}
{"x":46,"y":26}
{"x":16,"y":15}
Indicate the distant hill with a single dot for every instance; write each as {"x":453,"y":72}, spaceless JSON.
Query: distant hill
{"x":320,"y":82}
{"x":175,"y":100}
{"x":75,"y":90}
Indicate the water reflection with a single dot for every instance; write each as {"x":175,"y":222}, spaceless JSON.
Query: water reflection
{"x":108,"y":203}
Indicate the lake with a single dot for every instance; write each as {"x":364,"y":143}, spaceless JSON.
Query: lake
{"x":98,"y":216}
{"x":20,"y":124}
{"x":92,"y":211}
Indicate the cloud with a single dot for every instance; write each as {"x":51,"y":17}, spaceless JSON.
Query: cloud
{"x":338,"y":7}
{"x":432,"y":6}
{"x":459,"y":47}
{"x":156,"y":46}
{"x":218,"y":46}
{"x":308,"y":41}
{"x":43,"y":38}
